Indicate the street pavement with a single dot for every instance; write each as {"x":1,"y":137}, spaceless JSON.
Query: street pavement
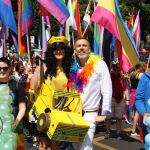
{"x":126,"y":142}
{"x":100,"y":143}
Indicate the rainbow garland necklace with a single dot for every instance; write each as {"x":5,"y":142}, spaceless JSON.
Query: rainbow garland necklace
{"x":79,"y":79}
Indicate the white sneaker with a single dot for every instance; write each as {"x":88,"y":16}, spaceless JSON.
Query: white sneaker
{"x":35,"y":144}
{"x":134,"y":134}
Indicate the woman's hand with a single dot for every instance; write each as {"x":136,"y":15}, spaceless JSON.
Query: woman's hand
{"x":15,"y":123}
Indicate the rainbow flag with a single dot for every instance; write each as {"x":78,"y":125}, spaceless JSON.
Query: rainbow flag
{"x":24,"y":24}
{"x":7,"y":16}
{"x":98,"y":39}
{"x":107,"y":14}
{"x":76,"y":14}
{"x":136,"y":32}
{"x":57,"y":8}
{"x":26,"y":16}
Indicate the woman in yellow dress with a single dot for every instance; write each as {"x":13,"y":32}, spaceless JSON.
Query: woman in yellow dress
{"x":55,"y":71}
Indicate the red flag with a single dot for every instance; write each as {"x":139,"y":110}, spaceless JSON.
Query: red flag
{"x":131,"y":20}
{"x":77,"y":17}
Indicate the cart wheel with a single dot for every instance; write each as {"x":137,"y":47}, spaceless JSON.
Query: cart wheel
{"x":43,"y":122}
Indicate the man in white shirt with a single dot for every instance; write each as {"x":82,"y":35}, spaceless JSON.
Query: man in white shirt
{"x":98,"y":84}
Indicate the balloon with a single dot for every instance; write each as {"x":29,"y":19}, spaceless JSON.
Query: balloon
{"x":4,"y":108}
{"x":148,"y":103}
{"x":1,"y":139}
{"x":4,"y":89}
{"x":147,"y":147}
{"x":12,"y":137}
{"x":147,"y":139}
{"x":8,"y":118}
{"x":8,"y":146}
{"x":7,"y":137}
{"x":7,"y":99}
{"x":7,"y":128}
{"x":148,"y":121}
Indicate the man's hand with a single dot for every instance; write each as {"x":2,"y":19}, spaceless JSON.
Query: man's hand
{"x":145,"y":117}
{"x":100,"y":118}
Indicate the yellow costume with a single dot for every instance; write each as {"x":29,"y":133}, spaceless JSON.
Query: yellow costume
{"x":60,"y":81}
{"x":59,"y":112}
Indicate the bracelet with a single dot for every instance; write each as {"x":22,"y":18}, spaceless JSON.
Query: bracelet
{"x":127,"y":100}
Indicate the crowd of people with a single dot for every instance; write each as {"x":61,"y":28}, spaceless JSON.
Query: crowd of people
{"x":106,"y":93}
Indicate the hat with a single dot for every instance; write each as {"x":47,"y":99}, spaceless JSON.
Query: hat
{"x":55,"y":39}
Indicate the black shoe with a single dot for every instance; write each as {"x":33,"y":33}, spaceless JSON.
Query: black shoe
{"x":119,"y":136}
{"x":107,"y":135}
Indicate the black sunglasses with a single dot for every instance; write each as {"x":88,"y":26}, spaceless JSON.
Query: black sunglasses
{"x":4,"y":68}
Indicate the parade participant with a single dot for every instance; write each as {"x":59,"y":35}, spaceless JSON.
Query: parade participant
{"x":142,"y":98}
{"x":53,"y":71}
{"x":118,"y":100}
{"x":90,"y":77}
{"x":135,"y":76}
{"x":18,"y":94}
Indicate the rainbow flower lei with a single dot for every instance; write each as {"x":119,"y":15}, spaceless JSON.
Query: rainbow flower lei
{"x":77,"y":80}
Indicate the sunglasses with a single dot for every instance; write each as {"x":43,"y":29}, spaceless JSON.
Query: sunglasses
{"x":4,"y":69}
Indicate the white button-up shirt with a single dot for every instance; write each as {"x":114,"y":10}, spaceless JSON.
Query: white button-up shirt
{"x":98,"y":86}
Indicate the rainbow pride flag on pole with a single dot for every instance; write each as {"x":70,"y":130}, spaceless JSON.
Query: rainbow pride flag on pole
{"x":76,"y":14}
{"x":107,"y":14}
{"x":98,"y":39}
{"x":57,"y":8}
{"x":24,"y":24}
{"x":26,"y":16}
{"x":7,"y":16}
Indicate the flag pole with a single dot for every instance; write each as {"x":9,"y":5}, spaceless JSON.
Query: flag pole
{"x":88,"y":6}
{"x":4,"y":47}
{"x":87,"y":9}
{"x":27,"y":37}
{"x":28,"y":48}
{"x":72,"y":38}
{"x":85,"y":30}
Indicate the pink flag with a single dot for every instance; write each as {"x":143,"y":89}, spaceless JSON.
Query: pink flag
{"x":57,"y":8}
{"x":136,"y":32}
